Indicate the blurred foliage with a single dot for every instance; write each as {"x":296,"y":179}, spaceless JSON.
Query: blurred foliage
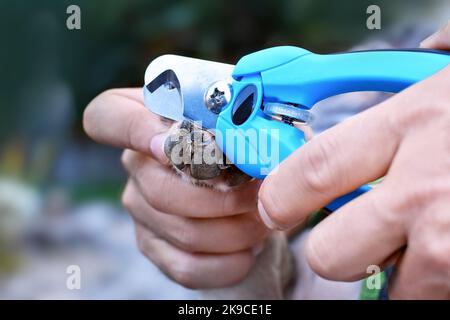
{"x":50,"y":73}
{"x":119,"y":38}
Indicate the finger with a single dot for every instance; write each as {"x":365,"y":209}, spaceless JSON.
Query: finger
{"x":194,"y":270}
{"x":362,"y":233}
{"x":334,"y":163}
{"x":438,"y":40}
{"x":354,"y":152}
{"x":119,"y":118}
{"x":164,"y":190}
{"x":424,"y":270}
{"x":219,"y":235}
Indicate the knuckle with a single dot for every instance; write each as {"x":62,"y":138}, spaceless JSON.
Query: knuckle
{"x":408,"y":203}
{"x":133,"y":162}
{"x":427,"y":103}
{"x":141,"y":243}
{"x":319,"y":262}
{"x":432,"y":242}
{"x":125,"y":159}
{"x":436,"y":254}
{"x":186,"y":239}
{"x":184,"y":273}
{"x":398,"y":120}
{"x":127,"y":198}
{"x":441,"y":259}
{"x":380,"y":205}
{"x":318,"y":175}
{"x":415,"y":198}
{"x":313,"y":180}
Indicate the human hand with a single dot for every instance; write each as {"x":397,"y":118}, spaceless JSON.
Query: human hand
{"x":200,"y":237}
{"x":405,"y":220}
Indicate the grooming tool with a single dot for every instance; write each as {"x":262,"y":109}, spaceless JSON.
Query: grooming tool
{"x":255,"y":108}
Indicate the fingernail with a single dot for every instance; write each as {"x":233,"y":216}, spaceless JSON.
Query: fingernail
{"x":256,"y":250}
{"x":157,"y":147}
{"x":265,"y":217}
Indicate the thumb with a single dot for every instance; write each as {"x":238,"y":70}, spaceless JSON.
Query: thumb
{"x":332,"y":164}
{"x":119,"y":118}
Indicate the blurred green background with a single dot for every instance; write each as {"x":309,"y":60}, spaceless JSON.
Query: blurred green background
{"x":51,"y":73}
{"x":59,"y":191}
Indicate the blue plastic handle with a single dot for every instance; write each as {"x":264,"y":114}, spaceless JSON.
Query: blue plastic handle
{"x":295,"y":75}
{"x":314,"y":77}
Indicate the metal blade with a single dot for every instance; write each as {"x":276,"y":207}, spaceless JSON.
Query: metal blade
{"x":175,"y":87}
{"x":162,"y":96}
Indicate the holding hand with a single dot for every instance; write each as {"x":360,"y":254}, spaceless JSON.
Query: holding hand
{"x":405,"y":220}
{"x":200,"y":237}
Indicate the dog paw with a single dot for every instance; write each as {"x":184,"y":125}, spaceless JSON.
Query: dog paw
{"x":193,"y":152}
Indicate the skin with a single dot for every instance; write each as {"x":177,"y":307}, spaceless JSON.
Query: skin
{"x":185,"y":230}
{"x":199,"y":237}
{"x":405,"y":220}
